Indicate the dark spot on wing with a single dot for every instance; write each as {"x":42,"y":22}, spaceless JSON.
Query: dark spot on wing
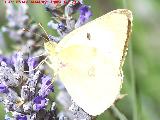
{"x":88,"y":36}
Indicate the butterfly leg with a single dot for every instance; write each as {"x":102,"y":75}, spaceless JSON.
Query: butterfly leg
{"x":41,"y":63}
{"x":49,"y":64}
{"x":55,"y":72}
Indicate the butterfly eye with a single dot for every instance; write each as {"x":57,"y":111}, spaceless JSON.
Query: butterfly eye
{"x":88,"y":36}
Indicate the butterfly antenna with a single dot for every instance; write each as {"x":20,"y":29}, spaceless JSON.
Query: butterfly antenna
{"x":44,"y":30}
{"x":43,"y":54}
{"x":41,"y":63}
{"x":27,"y":30}
{"x":46,"y":35}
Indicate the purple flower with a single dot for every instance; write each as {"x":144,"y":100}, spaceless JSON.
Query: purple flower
{"x":60,"y":27}
{"x":46,"y":87}
{"x":7,"y":75}
{"x":17,"y":17}
{"x":84,"y":16}
{"x":2,"y":58}
{"x":3,"y":88}
{"x":39,"y":103}
{"x":28,"y":90}
{"x":25,"y":92}
{"x":85,"y":13}
{"x":18,"y":62}
{"x":32,"y":64}
{"x":53,"y":38}
{"x":21,"y":117}
{"x":5,"y":59}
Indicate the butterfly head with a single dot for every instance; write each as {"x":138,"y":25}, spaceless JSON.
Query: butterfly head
{"x":50,"y":47}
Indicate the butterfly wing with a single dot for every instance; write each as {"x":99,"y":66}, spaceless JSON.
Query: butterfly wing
{"x":90,"y":77}
{"x":109,"y":33}
{"x":90,"y":67}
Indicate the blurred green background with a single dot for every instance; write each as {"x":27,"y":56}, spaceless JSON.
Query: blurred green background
{"x":142,"y":66}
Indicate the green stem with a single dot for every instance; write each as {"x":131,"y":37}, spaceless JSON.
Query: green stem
{"x":124,"y":3}
{"x":133,"y":85}
{"x":117,"y":113}
{"x":132,"y":74}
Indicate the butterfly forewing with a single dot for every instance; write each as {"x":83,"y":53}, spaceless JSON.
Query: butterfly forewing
{"x":89,"y":60}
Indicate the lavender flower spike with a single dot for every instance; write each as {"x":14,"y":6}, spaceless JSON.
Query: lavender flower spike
{"x":39,"y":103}
{"x":21,"y":117}
{"x":84,"y":17}
{"x":3,"y":88}
{"x":46,"y":87}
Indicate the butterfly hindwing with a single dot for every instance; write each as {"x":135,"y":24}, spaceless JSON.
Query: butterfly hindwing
{"x":90,"y":77}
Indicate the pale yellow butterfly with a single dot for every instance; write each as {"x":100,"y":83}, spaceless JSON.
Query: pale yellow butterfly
{"x":89,"y":60}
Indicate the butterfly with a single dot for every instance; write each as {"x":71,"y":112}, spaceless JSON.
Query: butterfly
{"x":89,"y":60}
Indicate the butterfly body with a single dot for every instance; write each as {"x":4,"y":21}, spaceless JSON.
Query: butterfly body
{"x":89,"y":60}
